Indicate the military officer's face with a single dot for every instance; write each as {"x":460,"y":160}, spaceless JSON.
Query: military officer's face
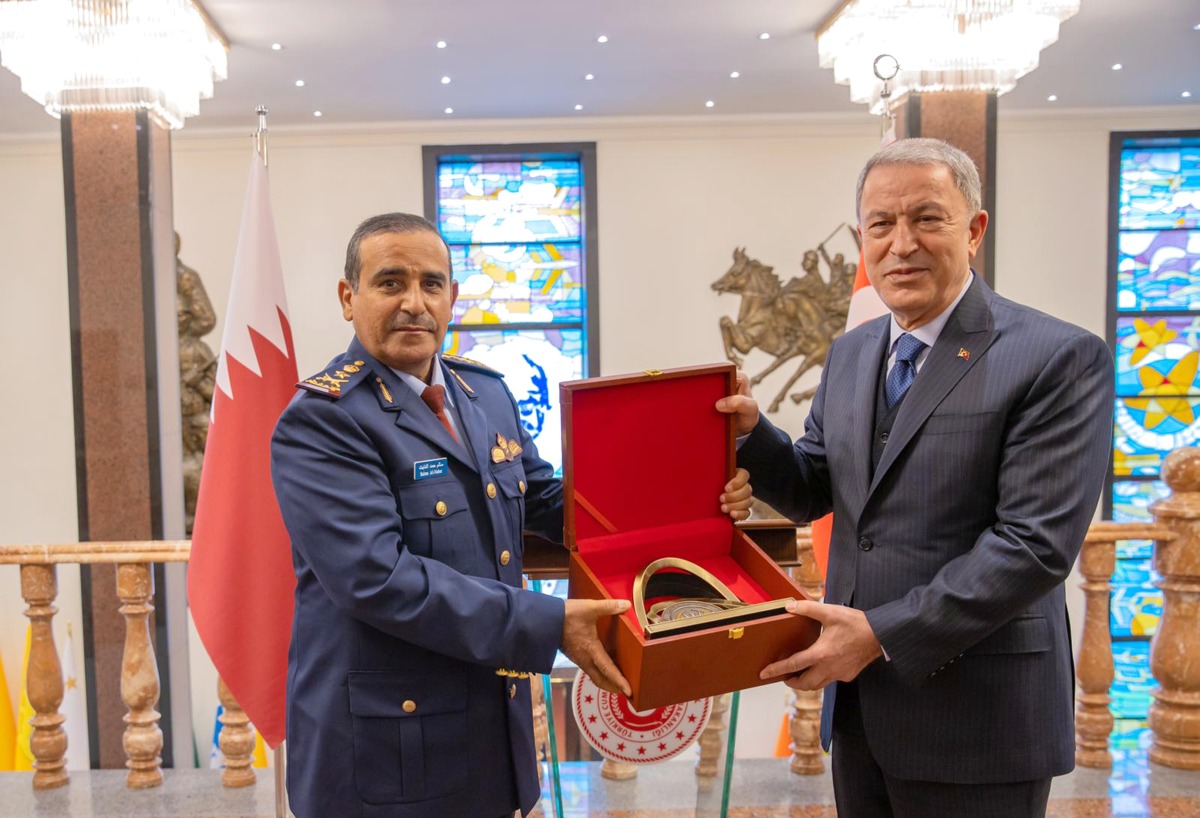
{"x":404,"y":299}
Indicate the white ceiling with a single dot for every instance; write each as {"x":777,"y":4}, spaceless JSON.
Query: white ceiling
{"x":377,"y":60}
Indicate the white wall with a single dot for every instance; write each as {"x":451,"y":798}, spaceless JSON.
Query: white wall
{"x":675,"y":197}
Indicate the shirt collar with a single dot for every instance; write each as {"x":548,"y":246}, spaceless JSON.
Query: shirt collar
{"x":437,"y":378}
{"x":928,"y":333}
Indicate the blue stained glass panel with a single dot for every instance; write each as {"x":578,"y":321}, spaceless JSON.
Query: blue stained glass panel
{"x":1132,"y":681}
{"x":1158,"y":357}
{"x":1146,"y":430}
{"x":1136,"y":604}
{"x":1158,"y":271}
{"x":1135,"y":549}
{"x":518,"y":283}
{"x":1131,"y":500}
{"x":514,"y":202}
{"x":1160,"y":188}
{"x":534,"y":363}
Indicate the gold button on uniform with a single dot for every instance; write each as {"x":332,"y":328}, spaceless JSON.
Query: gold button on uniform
{"x":505,"y":557}
{"x":491,"y":490}
{"x":512,"y":692}
{"x":440,"y":508}
{"x":409,"y":706}
{"x":521,"y":486}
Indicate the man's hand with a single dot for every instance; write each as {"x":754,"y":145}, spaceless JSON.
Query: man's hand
{"x":582,"y":646}
{"x":738,"y":495}
{"x":742,"y":406}
{"x":846,"y":646}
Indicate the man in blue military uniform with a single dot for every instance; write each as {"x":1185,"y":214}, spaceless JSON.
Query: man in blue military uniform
{"x":405,"y":480}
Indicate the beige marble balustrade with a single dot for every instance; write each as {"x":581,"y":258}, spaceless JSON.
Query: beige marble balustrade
{"x":139,"y":672}
{"x":236,"y":741}
{"x":1175,"y":649}
{"x":804,"y":726}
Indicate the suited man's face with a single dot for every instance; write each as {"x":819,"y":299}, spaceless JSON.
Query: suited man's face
{"x":404,"y":299}
{"x":918,"y":239}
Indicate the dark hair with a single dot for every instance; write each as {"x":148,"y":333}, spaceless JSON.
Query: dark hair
{"x":385,"y":223}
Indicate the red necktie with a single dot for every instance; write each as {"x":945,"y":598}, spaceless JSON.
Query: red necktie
{"x":435,"y":399}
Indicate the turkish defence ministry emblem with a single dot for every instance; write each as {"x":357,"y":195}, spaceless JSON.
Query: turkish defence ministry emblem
{"x":617,"y":731}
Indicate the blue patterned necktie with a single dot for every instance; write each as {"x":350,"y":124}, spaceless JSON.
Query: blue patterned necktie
{"x":904,"y":370}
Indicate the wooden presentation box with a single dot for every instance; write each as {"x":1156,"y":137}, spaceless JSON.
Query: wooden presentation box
{"x":646,"y":458}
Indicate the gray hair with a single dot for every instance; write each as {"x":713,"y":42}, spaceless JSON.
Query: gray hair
{"x":385,"y":223}
{"x":924,"y":151}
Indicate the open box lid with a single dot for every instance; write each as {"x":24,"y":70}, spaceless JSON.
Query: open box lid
{"x":645,"y":450}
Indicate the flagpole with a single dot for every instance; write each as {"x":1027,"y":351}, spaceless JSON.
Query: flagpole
{"x":260,"y":136}
{"x":281,"y":807}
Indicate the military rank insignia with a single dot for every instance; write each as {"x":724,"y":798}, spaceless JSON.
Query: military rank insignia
{"x":505,"y":449}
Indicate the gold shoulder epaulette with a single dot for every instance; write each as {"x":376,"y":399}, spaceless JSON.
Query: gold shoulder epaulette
{"x":335,"y":380}
{"x":475,"y":366}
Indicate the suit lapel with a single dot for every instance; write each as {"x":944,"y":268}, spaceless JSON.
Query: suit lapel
{"x":473,"y":422}
{"x":964,"y":339}
{"x":870,"y":362}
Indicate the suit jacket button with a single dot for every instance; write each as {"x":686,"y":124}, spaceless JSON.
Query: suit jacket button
{"x":883,"y":438}
{"x":865,"y":543}
{"x":491,"y":490}
{"x":505,"y":557}
{"x":409,"y":706}
{"x":440,"y":508}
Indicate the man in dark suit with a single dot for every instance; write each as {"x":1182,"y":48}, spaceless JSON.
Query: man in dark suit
{"x":405,"y":479}
{"x":961,"y":443}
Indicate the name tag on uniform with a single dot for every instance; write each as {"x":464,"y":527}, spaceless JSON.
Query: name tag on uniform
{"x":424,"y":469}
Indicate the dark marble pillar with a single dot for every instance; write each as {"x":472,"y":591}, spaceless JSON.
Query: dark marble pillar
{"x":116,"y":169}
{"x":967,"y":120}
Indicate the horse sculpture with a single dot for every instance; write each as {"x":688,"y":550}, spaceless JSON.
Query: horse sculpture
{"x":797,"y":319}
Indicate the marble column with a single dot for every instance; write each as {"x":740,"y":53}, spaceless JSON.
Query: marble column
{"x":121,"y":272}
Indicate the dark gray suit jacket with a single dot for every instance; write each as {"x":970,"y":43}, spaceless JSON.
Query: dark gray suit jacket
{"x":957,"y":544}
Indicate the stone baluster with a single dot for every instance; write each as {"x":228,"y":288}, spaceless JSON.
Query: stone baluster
{"x":44,"y":681}
{"x":1175,"y":711}
{"x":541,"y":727}
{"x":618,"y":770}
{"x":804,"y":726}
{"x":236,"y":741}
{"x":143,"y":739}
{"x":712,"y":741}
{"x":1094,"y":664}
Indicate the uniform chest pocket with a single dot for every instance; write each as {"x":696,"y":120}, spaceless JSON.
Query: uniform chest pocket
{"x":410,"y":735}
{"x":510,"y":482}
{"x":436,"y":519}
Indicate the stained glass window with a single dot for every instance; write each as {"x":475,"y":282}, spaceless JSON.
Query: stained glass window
{"x":520,"y":222}
{"x":1154,"y":294}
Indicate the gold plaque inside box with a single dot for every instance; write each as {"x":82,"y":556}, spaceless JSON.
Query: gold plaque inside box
{"x":696,"y":600}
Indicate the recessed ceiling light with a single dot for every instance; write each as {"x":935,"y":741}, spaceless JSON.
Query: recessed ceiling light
{"x":764,"y":36}
{"x":1186,"y":94}
{"x":709,"y":104}
{"x":1052,"y":98}
{"x":277,"y":46}
{"x":578,"y":107}
{"x":318,"y":113}
{"x":449,"y":110}
{"x":589,"y":76}
{"x":1196,"y":27}
{"x":1117,"y":66}
{"x":603,"y":38}
{"x":441,"y":43}
{"x":445,"y":80}
{"x":299,"y":83}
{"x":734,"y":74}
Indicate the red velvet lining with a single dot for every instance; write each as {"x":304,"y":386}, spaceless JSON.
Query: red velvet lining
{"x":616,"y":559}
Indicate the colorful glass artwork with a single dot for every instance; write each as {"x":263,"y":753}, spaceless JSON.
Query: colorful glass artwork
{"x":1146,"y":430}
{"x":1160,"y":187}
{"x":534,"y":363}
{"x":1135,"y":549}
{"x":1131,"y":499}
{"x":1158,"y":270}
{"x":509,"y":202}
{"x":1132,"y":680}
{"x":1159,"y":358}
{"x":518,"y":283}
{"x":1136,"y":603}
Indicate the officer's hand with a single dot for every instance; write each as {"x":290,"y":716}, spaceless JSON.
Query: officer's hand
{"x":582,"y":646}
{"x":738,"y":496}
{"x":742,"y":406}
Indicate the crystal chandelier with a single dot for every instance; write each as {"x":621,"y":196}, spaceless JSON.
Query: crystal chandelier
{"x":113,"y":55}
{"x":941,"y":45}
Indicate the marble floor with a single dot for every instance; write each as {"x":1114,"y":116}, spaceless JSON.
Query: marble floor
{"x":759,"y":789}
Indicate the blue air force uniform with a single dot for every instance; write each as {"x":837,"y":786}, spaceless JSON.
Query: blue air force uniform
{"x":408,"y":690}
